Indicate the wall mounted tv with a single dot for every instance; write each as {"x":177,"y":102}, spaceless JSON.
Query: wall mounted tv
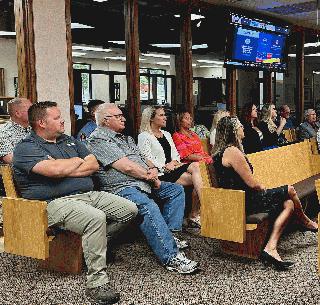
{"x":256,"y":44}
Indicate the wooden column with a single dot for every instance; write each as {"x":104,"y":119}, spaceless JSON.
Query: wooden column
{"x":132,"y":64}
{"x":267,"y":87}
{"x":300,"y":76}
{"x":231,"y":90}
{"x":186,"y":75}
{"x":25,"y":49}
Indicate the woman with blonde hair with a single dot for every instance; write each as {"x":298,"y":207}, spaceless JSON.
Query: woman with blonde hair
{"x":216,"y":118}
{"x":234,"y":171}
{"x":157,"y":146}
{"x":269,"y":128}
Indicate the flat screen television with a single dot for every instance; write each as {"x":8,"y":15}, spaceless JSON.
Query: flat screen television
{"x":256,"y":44}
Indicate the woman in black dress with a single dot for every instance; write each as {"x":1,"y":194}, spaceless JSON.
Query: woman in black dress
{"x":252,"y":141}
{"x":234,"y":171}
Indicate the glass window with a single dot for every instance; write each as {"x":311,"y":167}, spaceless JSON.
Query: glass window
{"x":85,"y":81}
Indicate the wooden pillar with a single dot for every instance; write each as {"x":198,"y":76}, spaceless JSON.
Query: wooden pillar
{"x":300,"y":76}
{"x":44,"y":48}
{"x":231,"y":89}
{"x":25,"y":49}
{"x":186,"y":75}
{"x":132,"y":64}
{"x":267,"y":87}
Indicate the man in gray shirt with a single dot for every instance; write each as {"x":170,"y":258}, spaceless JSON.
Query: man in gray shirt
{"x":49,"y":165}
{"x":125,"y":172}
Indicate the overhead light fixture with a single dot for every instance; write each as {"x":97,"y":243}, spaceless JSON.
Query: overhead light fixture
{"x":312,"y":44}
{"x":166,"y":45}
{"x":207,"y":61}
{"x":198,"y":24}
{"x":5,"y":33}
{"x":100,"y":0}
{"x":76,"y":25}
{"x":163,"y":63}
{"x":194,"y":65}
{"x":313,"y":54}
{"x":115,"y":57}
{"x":155,"y":55}
{"x":117,"y":41}
{"x":88,"y":48}
{"x":193,"y":16}
{"x":292,"y":55}
{"x":77,"y":54}
{"x":316,"y":72}
{"x":200,"y":46}
{"x":208,"y":66}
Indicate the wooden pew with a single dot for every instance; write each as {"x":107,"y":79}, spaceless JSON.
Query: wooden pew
{"x":26,"y":232}
{"x":290,"y":135}
{"x":223,"y":211}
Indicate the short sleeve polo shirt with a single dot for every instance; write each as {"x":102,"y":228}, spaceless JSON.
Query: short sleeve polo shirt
{"x":34,"y":149}
{"x":109,"y":147}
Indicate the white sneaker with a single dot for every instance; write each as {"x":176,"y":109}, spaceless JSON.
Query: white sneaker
{"x":181,"y":244}
{"x":181,"y":264}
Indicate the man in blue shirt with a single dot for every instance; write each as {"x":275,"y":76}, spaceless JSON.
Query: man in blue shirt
{"x":49,"y":165}
{"x":91,"y":125}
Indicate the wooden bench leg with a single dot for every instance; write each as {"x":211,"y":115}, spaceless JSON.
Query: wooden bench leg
{"x":253,"y":244}
{"x":65,"y":253}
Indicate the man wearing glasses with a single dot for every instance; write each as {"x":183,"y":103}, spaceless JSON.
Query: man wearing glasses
{"x":125,"y":172}
{"x":284,"y":111}
{"x":309,"y":128}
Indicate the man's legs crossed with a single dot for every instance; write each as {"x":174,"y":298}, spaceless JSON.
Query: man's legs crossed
{"x":153,"y":226}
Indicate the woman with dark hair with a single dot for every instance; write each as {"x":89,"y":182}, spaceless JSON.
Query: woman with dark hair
{"x":188,"y":142}
{"x":234,"y":171}
{"x":252,"y":141}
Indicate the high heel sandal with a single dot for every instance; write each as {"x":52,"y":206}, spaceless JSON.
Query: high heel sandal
{"x":266,"y":258}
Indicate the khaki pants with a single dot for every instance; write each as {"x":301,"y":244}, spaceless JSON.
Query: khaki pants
{"x":95,"y":216}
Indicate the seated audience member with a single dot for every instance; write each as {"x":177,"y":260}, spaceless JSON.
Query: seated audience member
{"x":309,"y":128}
{"x":285,"y":113}
{"x":234,"y":171}
{"x":216,"y":117}
{"x":187,"y":142}
{"x":157,"y":146}
{"x":15,"y":129}
{"x":269,"y":129}
{"x":49,"y":165}
{"x":91,"y":125}
{"x":125,"y":172}
{"x":252,"y":141}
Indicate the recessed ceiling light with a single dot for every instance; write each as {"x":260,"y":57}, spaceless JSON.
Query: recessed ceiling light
{"x":292,"y":55}
{"x":163,"y":63}
{"x":193,"y":16}
{"x":77,"y":54}
{"x":200,"y":46}
{"x":208,"y":66}
{"x":88,"y":48}
{"x":5,"y":33}
{"x":115,"y":57}
{"x":117,"y":41}
{"x":166,"y":45}
{"x":312,"y":44}
{"x":314,"y":54}
{"x":76,"y":25}
{"x":155,"y":55}
{"x":100,"y":0}
{"x":207,"y":61}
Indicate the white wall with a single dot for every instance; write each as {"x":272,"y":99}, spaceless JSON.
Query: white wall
{"x":8,"y":61}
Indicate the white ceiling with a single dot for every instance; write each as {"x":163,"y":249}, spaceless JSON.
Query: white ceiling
{"x":300,"y":12}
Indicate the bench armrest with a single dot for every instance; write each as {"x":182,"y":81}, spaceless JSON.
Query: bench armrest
{"x":25,"y":224}
{"x":223,"y":214}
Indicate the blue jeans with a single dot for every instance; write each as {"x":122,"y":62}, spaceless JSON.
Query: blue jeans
{"x":155,"y":226}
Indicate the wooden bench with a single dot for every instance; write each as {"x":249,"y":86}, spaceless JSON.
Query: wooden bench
{"x":290,"y":135}
{"x":223,"y":210}
{"x":26,"y":232}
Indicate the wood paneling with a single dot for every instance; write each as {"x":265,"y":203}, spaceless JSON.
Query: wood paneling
{"x":25,"y":49}
{"x":132,"y":64}
{"x":186,"y":76}
{"x":231,"y":88}
{"x":300,"y":76}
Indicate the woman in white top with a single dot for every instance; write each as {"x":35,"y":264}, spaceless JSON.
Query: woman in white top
{"x":157,"y":146}
{"x":216,"y":118}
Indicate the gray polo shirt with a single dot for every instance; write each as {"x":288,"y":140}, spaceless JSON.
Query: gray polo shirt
{"x":109,"y":147}
{"x":34,"y":149}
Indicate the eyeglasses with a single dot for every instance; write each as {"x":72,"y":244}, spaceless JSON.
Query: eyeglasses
{"x":116,"y":116}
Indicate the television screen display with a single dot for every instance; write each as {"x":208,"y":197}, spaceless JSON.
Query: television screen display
{"x":256,"y":44}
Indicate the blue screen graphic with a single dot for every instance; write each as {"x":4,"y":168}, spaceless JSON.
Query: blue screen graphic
{"x":258,"y":47}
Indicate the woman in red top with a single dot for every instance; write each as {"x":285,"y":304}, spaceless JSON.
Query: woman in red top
{"x":187,"y":142}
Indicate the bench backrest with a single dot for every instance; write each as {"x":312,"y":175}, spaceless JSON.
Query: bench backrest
{"x":285,"y":165}
{"x":290,"y":135}
{"x":8,"y":182}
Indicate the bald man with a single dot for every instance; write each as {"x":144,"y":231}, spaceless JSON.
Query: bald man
{"x":16,"y":129}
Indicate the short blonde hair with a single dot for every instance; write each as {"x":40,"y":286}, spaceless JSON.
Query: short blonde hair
{"x":102,"y":111}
